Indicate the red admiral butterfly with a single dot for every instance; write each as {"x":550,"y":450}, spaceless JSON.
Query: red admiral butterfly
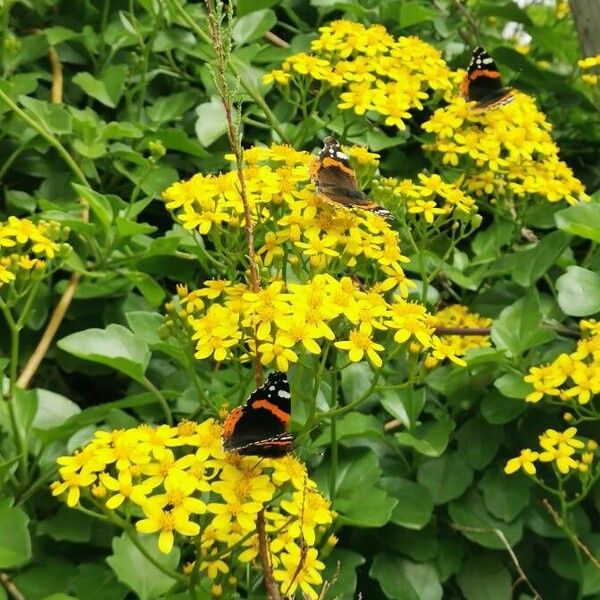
{"x":482,"y":82}
{"x":336,"y":182}
{"x":259,"y":427}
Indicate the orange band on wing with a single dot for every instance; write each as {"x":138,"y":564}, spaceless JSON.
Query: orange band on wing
{"x":231,"y":421}
{"x":332,"y":162}
{"x":274,"y":410}
{"x":484,"y":73}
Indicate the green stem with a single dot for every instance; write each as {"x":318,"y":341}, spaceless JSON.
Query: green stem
{"x":334,"y":444}
{"x":161,"y":399}
{"x":47,"y":136}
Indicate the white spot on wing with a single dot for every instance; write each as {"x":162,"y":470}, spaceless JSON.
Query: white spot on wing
{"x":271,"y":388}
{"x":283,"y":394}
{"x":341,"y":155}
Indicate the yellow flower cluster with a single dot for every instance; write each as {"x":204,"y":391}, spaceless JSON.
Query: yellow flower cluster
{"x":570,"y":377}
{"x":310,"y":233}
{"x":370,"y":70}
{"x":26,"y":246}
{"x":561,"y":448}
{"x":432,"y":199}
{"x":589,"y":62}
{"x":178,"y":482}
{"x":507,"y":152}
{"x":282,"y":320}
{"x":458,"y":316}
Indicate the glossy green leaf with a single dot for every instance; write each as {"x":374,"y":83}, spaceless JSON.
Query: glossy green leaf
{"x":405,"y":405}
{"x":518,"y":327}
{"x":583,"y":220}
{"x":93,"y":579}
{"x":136,"y":571}
{"x":478,"y":442}
{"x":253,"y":25}
{"x":497,"y":409}
{"x":99,"y":204}
{"x":114,"y":346}
{"x":55,"y":118}
{"x":485,"y":577}
{"x":446,"y":477}
{"x":340,"y":570}
{"x":534,"y":263}
{"x":210,"y":122}
{"x":415,"y":504}
{"x":430,"y":439}
{"x":474,"y":521}
{"x":15,"y":540}
{"x":106,"y":90}
{"x":579,"y":292}
{"x":511,"y":385}
{"x":402,"y":579}
{"x":505,"y":497}
{"x":413,"y":12}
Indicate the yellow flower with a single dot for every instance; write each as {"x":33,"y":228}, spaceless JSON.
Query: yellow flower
{"x":73,"y":482}
{"x":166,"y":522}
{"x":300,"y":569}
{"x":562,"y":455}
{"x":360,"y":343}
{"x":552,"y":438}
{"x":524,"y":461}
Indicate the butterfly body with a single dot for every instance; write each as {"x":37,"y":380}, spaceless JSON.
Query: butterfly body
{"x":260,"y":426}
{"x":482,"y":83}
{"x":336,"y":182}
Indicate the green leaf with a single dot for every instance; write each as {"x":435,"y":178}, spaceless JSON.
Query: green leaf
{"x":508,"y":11}
{"x":106,"y":90}
{"x":99,"y":204}
{"x":478,"y":525}
{"x":357,"y":498}
{"x":498,"y":409}
{"x":533,"y":263}
{"x":413,"y":12}
{"x":518,"y":327}
{"x":56,"y":118}
{"x":405,"y":404}
{"x":402,"y":579}
{"x":505,"y":497}
{"x":340,"y":571}
{"x":253,"y":25}
{"x":114,"y":346}
{"x":136,"y":571}
{"x":356,"y":380}
{"x":67,"y":525}
{"x":579,"y":292}
{"x":446,"y":477}
{"x":512,"y":385}
{"x":430,"y":439}
{"x":38,"y":582}
{"x":53,"y":409}
{"x":171,"y":107}
{"x":244,"y":7}
{"x":210,"y":123}
{"x":352,"y":425}
{"x":583,"y":220}
{"x":415,"y":504}
{"x":478,"y":442}
{"x":150,"y":289}
{"x":93,"y":579}
{"x":485,"y":577}
{"x":15,"y":541}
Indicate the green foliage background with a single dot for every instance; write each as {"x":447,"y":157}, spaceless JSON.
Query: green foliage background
{"x":421,"y":509}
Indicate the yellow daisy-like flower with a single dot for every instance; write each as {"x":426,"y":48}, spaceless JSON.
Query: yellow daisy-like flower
{"x":524,"y":461}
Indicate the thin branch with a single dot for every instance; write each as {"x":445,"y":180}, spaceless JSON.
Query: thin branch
{"x":561,"y":524}
{"x":472,"y":22}
{"x":275,"y":40}
{"x":10,"y":587}
{"x":463,"y":330}
{"x":57,"y":77}
{"x":511,"y":553}
{"x":263,"y":550}
{"x":221,"y":39}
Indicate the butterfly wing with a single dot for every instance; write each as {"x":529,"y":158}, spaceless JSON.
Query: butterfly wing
{"x":259,"y":427}
{"x":482,"y":83}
